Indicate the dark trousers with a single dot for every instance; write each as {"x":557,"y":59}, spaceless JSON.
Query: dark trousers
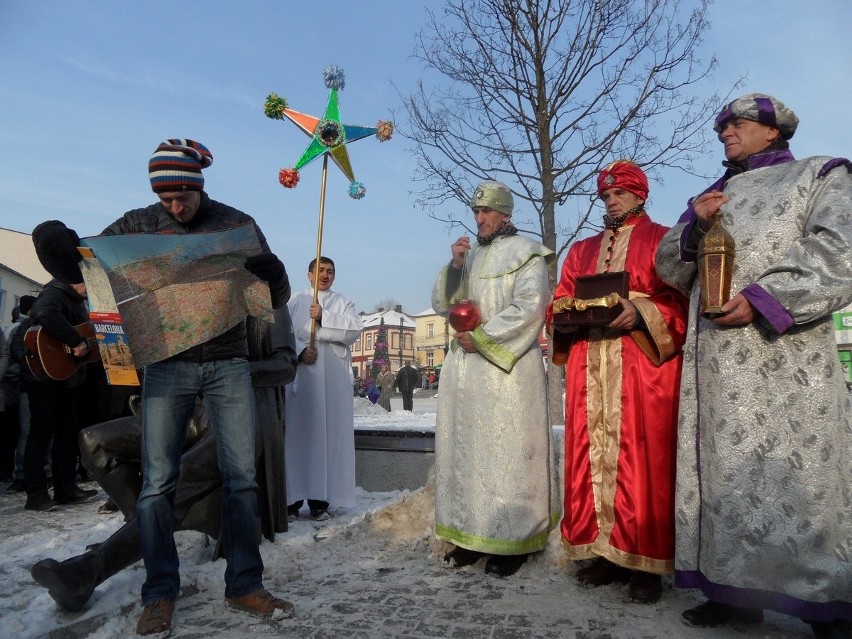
{"x":313,"y":504}
{"x":407,"y":400}
{"x":10,"y":428}
{"x":53,"y":415}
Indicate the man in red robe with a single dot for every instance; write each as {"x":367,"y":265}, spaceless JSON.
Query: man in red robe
{"x":621,"y":397}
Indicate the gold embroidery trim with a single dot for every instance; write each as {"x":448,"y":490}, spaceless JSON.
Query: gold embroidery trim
{"x":577,"y":304}
{"x":604,"y":400}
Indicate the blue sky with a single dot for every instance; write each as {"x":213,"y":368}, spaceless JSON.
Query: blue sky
{"x":89,"y":88}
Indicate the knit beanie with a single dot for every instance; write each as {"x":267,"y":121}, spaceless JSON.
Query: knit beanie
{"x":176,"y":166}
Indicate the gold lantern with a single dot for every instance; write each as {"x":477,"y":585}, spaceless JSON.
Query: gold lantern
{"x":716,"y":252}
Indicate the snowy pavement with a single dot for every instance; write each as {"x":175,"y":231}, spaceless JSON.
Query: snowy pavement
{"x":370,"y":572}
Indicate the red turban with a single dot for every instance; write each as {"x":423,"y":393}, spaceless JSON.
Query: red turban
{"x":624,"y":174}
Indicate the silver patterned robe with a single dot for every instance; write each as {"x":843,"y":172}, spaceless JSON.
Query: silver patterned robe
{"x":764,"y":474}
{"x":495,"y":481}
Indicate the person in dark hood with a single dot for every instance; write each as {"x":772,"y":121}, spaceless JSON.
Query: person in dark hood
{"x":54,"y":404}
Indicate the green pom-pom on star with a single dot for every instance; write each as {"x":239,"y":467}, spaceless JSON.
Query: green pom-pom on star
{"x":275,"y":107}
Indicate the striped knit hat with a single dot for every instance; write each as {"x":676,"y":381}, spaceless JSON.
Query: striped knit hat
{"x":176,"y":166}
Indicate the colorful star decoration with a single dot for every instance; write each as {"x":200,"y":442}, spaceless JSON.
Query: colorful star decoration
{"x":328,"y":134}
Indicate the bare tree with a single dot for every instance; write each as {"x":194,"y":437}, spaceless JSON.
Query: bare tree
{"x":542,"y":94}
{"x":387,"y":304}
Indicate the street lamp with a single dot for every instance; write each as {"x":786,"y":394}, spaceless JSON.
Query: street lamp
{"x":400,"y":341}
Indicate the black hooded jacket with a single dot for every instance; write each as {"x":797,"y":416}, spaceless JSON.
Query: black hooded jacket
{"x":58,"y":309}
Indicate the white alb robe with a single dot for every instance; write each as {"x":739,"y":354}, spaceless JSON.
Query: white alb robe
{"x":320,"y":433}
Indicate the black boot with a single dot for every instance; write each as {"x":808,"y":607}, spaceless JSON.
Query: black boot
{"x":504,"y":565}
{"x":712,"y":614}
{"x":460,"y":557}
{"x":72,"y":582}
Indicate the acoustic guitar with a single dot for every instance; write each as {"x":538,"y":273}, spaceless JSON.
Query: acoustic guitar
{"x":50,"y":359}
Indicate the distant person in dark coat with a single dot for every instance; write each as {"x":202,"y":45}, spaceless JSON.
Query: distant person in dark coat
{"x":17,"y":403}
{"x":406,"y":381}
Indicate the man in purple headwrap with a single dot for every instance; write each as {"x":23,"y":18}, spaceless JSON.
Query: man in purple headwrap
{"x":764,"y":471}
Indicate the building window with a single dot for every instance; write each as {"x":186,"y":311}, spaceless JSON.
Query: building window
{"x":369,"y":341}
{"x":394,"y":340}
{"x":430,"y":358}
{"x":407,"y":341}
{"x":430,"y":329}
{"x":357,"y":345}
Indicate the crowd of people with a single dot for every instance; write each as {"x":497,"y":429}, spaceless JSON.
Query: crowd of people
{"x":716,"y":448}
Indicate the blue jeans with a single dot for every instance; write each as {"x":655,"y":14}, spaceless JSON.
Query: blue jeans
{"x":169,"y":390}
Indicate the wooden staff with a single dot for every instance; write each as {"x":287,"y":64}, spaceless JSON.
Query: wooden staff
{"x":319,"y":245}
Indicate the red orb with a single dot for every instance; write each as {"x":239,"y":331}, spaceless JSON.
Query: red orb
{"x":464,"y":316}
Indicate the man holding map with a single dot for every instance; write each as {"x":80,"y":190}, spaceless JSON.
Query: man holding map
{"x":216,"y":369}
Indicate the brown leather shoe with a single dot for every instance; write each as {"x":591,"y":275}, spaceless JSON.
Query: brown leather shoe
{"x":156,"y":618}
{"x":712,"y":614}
{"x":602,"y":572}
{"x":261,"y":604}
{"x":645,"y":587}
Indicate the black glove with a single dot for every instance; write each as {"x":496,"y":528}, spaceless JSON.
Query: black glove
{"x":266,"y":266}
{"x":56,"y":249}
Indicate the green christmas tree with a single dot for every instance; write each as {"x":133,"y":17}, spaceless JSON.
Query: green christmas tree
{"x":380,"y":355}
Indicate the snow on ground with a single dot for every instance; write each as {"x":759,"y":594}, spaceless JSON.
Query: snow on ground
{"x":371,"y":571}
{"x":369,"y":416}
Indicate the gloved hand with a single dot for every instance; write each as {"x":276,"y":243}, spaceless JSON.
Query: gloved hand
{"x":266,"y":266}
{"x":56,"y":249}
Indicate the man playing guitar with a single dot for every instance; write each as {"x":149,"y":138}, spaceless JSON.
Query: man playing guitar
{"x":54,"y":403}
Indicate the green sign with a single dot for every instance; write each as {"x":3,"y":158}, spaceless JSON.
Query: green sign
{"x":846,"y":365}
{"x":843,"y":321}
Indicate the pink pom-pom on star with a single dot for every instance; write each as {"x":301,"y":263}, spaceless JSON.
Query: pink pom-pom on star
{"x":289,"y":178}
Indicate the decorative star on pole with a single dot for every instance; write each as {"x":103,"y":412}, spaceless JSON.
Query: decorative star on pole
{"x":329,"y":137}
{"x":328,"y":134}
